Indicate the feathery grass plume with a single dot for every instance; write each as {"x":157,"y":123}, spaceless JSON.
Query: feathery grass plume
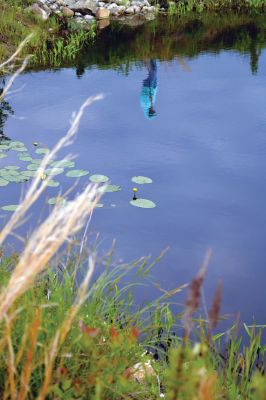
{"x":214,"y":312}
{"x":64,"y":221}
{"x":194,"y":295}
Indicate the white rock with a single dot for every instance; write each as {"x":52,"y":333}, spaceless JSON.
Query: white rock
{"x":136,"y":9}
{"x":129,"y":10}
{"x":54,"y":7}
{"x":121,"y":9}
{"x":80,"y":20}
{"x":37,"y":10}
{"x":89,"y":18}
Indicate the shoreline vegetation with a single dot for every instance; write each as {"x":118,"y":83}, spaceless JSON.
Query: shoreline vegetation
{"x":70,"y":327}
{"x":60,"y":40}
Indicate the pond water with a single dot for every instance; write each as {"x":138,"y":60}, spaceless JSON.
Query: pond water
{"x":184,"y":105}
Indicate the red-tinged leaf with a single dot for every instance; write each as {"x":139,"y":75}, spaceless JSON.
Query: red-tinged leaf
{"x":63,"y":371}
{"x":113,"y":333}
{"x":135,"y":332}
{"x":127,"y":373}
{"x":88,"y":330}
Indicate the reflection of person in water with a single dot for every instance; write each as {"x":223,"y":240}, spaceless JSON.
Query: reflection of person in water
{"x":149,"y":90}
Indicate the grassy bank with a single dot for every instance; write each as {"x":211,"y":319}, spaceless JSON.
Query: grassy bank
{"x":182,"y":7}
{"x":53,"y":42}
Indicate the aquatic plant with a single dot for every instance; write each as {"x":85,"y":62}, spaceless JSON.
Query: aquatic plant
{"x":142,"y":203}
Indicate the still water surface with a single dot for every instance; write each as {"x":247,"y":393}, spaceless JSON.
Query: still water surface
{"x":193,"y":119}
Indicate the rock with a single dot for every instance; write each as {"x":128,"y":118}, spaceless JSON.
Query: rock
{"x":89,"y":18}
{"x":46,"y":9}
{"x":137,"y":3}
{"x":137,"y":9}
{"x":101,"y":4}
{"x":80,"y":20}
{"x":102,"y":13}
{"x":38,"y":11}
{"x":149,"y":16}
{"x":113,"y":8}
{"x":67,"y":12}
{"x":129,"y":10}
{"x":103,"y":23}
{"x":141,"y":371}
{"x":121,"y":9}
{"x":54,"y":7}
{"x":83,"y":6}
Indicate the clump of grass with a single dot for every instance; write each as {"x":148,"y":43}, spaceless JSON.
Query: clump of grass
{"x":183,"y":7}
{"x":49,"y":42}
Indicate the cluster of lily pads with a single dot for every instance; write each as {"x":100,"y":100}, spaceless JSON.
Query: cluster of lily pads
{"x":24,"y":172}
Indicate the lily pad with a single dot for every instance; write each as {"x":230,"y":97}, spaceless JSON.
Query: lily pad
{"x":10,"y":207}
{"x":99,"y":178}
{"x":29,"y":174}
{"x":143,"y":203}
{"x":36,"y":161}
{"x":12,"y":167}
{"x":54,"y":171}
{"x":25,"y":158}
{"x":76,"y":173}
{"x":19,"y":149}
{"x":141,"y":180}
{"x":42,"y":151}
{"x":10,"y":172}
{"x":57,"y":200}
{"x":98,"y":205}
{"x":16,"y":144}
{"x":33,"y":167}
{"x":110,"y":189}
{"x":3,"y":155}
{"x":63,"y":164}
{"x":52,"y":183}
{"x":3,"y":182}
{"x":15,"y":178}
{"x":4,"y":147}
